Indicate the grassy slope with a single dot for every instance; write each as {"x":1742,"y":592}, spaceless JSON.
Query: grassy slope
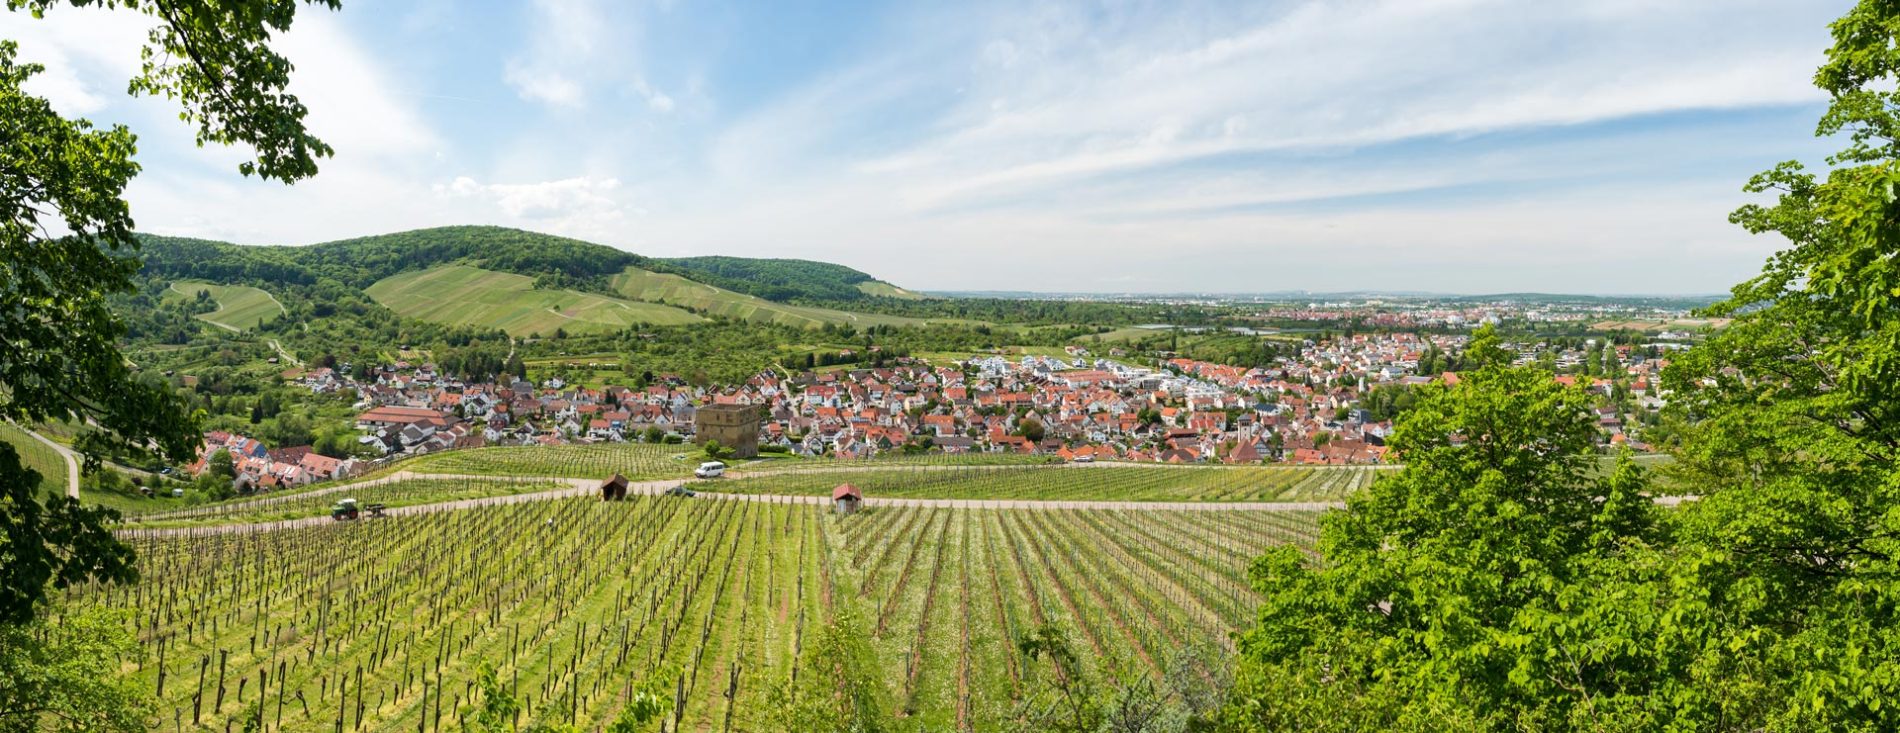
{"x":463,"y":295}
{"x":239,"y":306}
{"x":36,"y":455}
{"x":887,"y":290}
{"x":671,"y":289}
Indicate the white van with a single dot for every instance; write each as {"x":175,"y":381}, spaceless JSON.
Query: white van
{"x":710,"y":469}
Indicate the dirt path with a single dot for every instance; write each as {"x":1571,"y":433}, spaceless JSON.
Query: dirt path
{"x":279,"y":348}
{"x":72,"y":461}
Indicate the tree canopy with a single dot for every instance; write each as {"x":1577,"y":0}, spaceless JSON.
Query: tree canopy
{"x":66,"y":244}
{"x":1501,"y":582}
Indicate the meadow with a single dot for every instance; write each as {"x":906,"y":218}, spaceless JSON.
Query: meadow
{"x":240,"y":307}
{"x":36,"y":455}
{"x":380,"y":625}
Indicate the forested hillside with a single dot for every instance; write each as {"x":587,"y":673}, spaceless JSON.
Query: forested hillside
{"x":555,"y":262}
{"x":779,"y":280}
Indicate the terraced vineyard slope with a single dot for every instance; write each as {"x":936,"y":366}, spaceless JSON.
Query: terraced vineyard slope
{"x":471,"y":296}
{"x":657,"y":287}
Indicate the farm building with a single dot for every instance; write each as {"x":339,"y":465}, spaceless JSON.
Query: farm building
{"x":847,"y":498}
{"x":614,"y":488}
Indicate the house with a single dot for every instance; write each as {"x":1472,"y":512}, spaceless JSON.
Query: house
{"x":321,"y":467}
{"x":847,"y":499}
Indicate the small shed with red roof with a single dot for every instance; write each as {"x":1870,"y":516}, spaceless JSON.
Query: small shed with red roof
{"x":847,"y":499}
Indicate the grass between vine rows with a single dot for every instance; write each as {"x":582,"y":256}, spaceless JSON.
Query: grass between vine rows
{"x":374,"y":625}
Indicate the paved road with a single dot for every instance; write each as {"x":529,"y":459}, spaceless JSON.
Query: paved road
{"x":72,"y":461}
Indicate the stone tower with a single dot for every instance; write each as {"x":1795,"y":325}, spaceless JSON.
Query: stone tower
{"x":735,"y":426}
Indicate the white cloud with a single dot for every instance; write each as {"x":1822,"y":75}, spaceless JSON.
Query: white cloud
{"x":61,"y":87}
{"x":579,"y":52}
{"x":544,"y":86}
{"x":356,"y":103}
{"x":88,"y":54}
{"x":1067,"y":143}
{"x":579,"y":206}
{"x":1061,"y":101}
{"x":562,"y":39}
{"x":657,"y":100}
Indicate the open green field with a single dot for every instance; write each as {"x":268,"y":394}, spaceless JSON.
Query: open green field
{"x":1131,"y":333}
{"x":883,"y":289}
{"x":380,"y":625}
{"x":1101,"y":482}
{"x":240,"y":307}
{"x":656,"y":287}
{"x":471,"y":296}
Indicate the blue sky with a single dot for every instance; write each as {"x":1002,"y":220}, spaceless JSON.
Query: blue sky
{"x":1441,"y":145}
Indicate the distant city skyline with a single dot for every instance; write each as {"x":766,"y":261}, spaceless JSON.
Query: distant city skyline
{"x":1452,"y":146}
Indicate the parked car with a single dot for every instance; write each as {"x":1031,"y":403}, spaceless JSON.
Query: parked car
{"x":710,"y":469}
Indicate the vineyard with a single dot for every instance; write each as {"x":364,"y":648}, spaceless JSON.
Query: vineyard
{"x":388,"y":492}
{"x":379,"y":625}
{"x":1101,"y":482}
{"x":593,"y":460}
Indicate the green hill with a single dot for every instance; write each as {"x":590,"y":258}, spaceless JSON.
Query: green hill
{"x":470,"y":296}
{"x":777,"y":280}
{"x":239,"y":306}
{"x":550,"y":259}
{"x":660,"y":287}
{"x":449,"y":275}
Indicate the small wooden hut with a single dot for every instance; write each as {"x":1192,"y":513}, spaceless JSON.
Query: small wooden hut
{"x":847,"y":499}
{"x":614,"y":488}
